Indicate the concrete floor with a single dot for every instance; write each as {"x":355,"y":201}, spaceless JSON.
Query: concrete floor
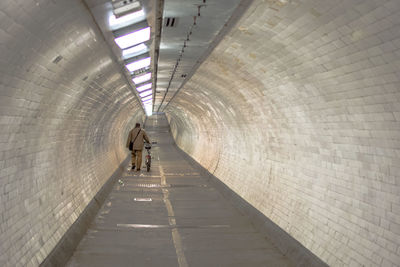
{"x":171,"y":216}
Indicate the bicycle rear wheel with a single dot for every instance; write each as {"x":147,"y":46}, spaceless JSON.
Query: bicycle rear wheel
{"x":148,"y":164}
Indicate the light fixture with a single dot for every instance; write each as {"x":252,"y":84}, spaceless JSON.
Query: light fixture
{"x":123,"y":7}
{"x":133,"y":38}
{"x":149,"y":109}
{"x":144,"y":87}
{"x":145,"y":93}
{"x":142,"y":78}
{"x":136,"y":65}
{"x":134,"y":51}
{"x":120,"y":22}
{"x":149,"y":97}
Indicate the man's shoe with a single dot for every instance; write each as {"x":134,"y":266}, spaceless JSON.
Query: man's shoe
{"x":133,"y":167}
{"x":138,"y":169}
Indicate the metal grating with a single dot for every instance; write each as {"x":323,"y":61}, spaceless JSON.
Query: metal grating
{"x":148,"y":185}
{"x":57,"y":59}
{"x":142,"y":199}
{"x":169,"y":185}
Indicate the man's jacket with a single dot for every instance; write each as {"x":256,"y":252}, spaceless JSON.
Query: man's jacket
{"x":138,"y":144}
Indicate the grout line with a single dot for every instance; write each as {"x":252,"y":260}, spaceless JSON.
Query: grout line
{"x":176,"y":237}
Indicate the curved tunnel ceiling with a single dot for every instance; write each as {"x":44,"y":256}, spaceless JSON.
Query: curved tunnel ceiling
{"x":296,"y":110}
{"x":189,"y":28}
{"x":183,"y":33}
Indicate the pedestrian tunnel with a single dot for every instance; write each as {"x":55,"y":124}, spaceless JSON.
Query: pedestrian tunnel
{"x":280,"y":117}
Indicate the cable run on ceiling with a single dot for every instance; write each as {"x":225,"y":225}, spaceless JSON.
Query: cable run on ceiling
{"x":181,"y":53}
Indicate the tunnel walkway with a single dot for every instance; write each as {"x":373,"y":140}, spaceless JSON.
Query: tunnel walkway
{"x":171,"y":216}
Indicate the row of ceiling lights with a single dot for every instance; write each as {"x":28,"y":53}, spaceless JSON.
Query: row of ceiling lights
{"x":132,"y":34}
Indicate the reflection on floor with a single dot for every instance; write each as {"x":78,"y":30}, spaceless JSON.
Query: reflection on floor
{"x":171,"y":216}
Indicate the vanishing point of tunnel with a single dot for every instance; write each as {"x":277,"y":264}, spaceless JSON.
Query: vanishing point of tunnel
{"x":275,"y":131}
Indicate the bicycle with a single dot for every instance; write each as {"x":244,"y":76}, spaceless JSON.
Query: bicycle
{"x":148,"y":156}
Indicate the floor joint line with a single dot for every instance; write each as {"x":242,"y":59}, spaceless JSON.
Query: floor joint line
{"x":176,"y":237}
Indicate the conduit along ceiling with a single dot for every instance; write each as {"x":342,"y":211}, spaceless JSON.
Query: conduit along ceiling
{"x":160,"y":43}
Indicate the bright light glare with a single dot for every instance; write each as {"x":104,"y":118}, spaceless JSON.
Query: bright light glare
{"x":133,"y":38}
{"x":145,"y":93}
{"x":144,"y":87}
{"x":138,"y":64}
{"x":149,"y":109}
{"x":142,"y":79}
{"x":117,"y":23}
{"x":150,"y":97}
{"x":134,"y":51}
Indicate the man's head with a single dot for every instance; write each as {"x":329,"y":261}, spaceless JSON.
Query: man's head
{"x":137,"y":125}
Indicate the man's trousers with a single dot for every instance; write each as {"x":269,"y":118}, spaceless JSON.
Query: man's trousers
{"x":137,"y":158}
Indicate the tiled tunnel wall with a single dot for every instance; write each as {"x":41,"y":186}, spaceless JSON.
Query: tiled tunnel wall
{"x":298,"y":111}
{"x":65,"y":108}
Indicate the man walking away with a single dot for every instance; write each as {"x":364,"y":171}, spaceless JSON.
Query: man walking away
{"x":137,"y":136}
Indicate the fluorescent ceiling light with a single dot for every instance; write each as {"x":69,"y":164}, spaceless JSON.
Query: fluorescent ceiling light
{"x":144,"y":87}
{"x":117,"y":23}
{"x":146,"y":93}
{"x":148,"y":109}
{"x":133,"y":38}
{"x":142,"y":63}
{"x":134,"y":51}
{"x":150,"y":97}
{"x":147,"y":101}
{"x":142,"y":79}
